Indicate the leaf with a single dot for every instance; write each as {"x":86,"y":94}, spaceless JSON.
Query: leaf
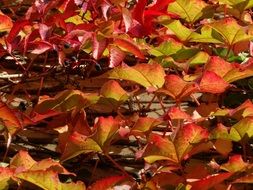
{"x":116,"y":56}
{"x":187,"y":137}
{"x":9,"y":119}
{"x":176,"y":113}
{"x":177,"y":88}
{"x":5,"y":23}
{"x":127,"y":18}
{"x":234,"y":164}
{"x":199,"y":59}
{"x":113,"y":90}
{"x":106,"y":129}
{"x":230,"y":30}
{"x":41,"y":47}
{"x":212,"y":83}
{"x":240,"y":5}
{"x":207,"y":35}
{"x":210,"y":181}
{"x":144,"y":126}
{"x":183,"y":33}
{"x":242,"y":129}
{"x":66,"y":101}
{"x":47,"y":180}
{"x":166,"y":48}
{"x":219,"y":66}
{"x":142,"y":74}
{"x":244,"y":110}
{"x":138,"y":12}
{"x":99,"y":46}
{"x":129,"y":47}
{"x":78,"y":144}
{"x":50,"y":165}
{"x":107,"y":183}
{"x":159,"y":148}
{"x":5,"y":177}
{"x":22,"y":159}
{"x":190,"y":11}
{"x":245,"y":179}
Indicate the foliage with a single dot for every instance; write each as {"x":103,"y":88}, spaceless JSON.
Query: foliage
{"x":87,"y":76}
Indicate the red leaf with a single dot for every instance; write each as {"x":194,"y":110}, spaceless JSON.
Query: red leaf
{"x":127,"y":19}
{"x":219,"y":66}
{"x":161,"y":4}
{"x":99,"y":46}
{"x":177,"y":88}
{"x":210,"y":181}
{"x":116,"y":56}
{"x":212,"y":83}
{"x":138,"y":12}
{"x":107,"y":183}
{"x":176,"y":113}
{"x":41,"y":47}
{"x":17,"y":26}
{"x":129,"y":46}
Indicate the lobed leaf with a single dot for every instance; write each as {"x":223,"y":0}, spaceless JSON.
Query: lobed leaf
{"x":142,"y":74}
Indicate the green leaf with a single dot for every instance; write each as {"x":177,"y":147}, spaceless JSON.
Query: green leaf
{"x":199,"y":59}
{"x":207,"y":35}
{"x":230,"y":30}
{"x":240,"y":5}
{"x":242,"y":129}
{"x":166,"y":48}
{"x":147,"y":75}
{"x":183,"y":33}
{"x":190,"y":11}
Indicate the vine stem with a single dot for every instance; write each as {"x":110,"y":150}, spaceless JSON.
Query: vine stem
{"x":119,"y":167}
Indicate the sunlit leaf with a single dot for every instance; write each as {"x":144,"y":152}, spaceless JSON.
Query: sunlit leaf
{"x":66,"y":101}
{"x":240,"y":5}
{"x":160,"y":148}
{"x":210,"y":181}
{"x":78,"y":144}
{"x":177,"y":88}
{"x":22,"y":159}
{"x":116,"y":56}
{"x":190,"y":11}
{"x":234,"y":164}
{"x":129,"y":47}
{"x":47,"y":180}
{"x":212,"y":83}
{"x":142,"y":74}
{"x":107,"y":183}
{"x":187,"y":137}
{"x":106,"y":129}
{"x":5,"y":178}
{"x":230,"y":30}
{"x":144,"y":125}
{"x":5,"y":23}
{"x":9,"y":119}
{"x":242,"y":129}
